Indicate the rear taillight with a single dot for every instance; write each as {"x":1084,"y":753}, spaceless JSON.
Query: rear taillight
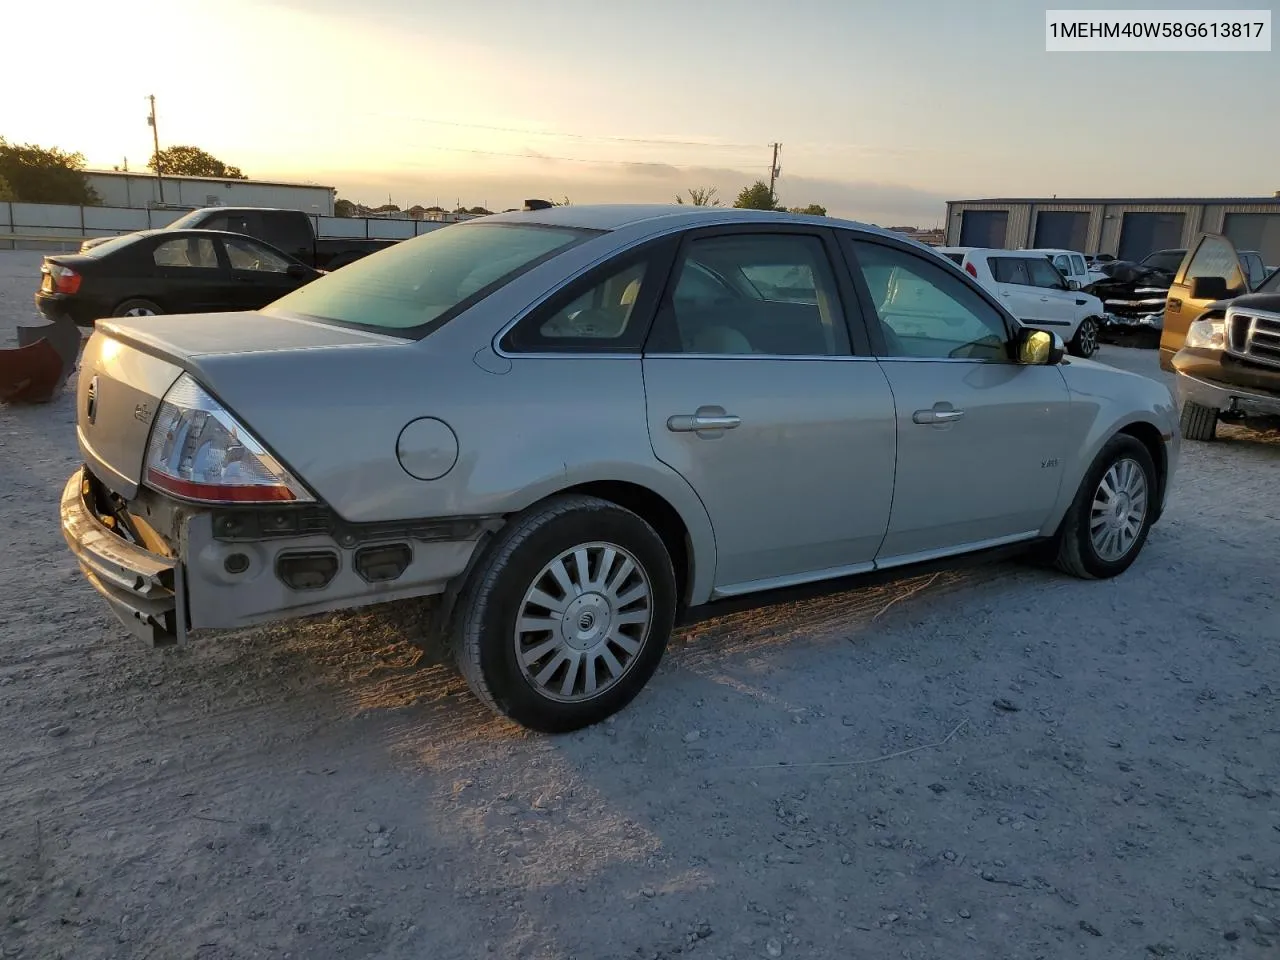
{"x":971,"y":270}
{"x":198,"y":451}
{"x":65,"y":280}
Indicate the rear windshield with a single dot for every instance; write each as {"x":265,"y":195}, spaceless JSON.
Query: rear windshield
{"x":1167,"y":260}
{"x":186,"y":220}
{"x":110,"y":246}
{"x":409,"y":286}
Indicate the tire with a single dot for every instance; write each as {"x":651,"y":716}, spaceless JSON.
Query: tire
{"x":1199,"y":422}
{"x":617,"y":658}
{"x":1079,"y":552}
{"x":1085,"y":342}
{"x":136,"y":307}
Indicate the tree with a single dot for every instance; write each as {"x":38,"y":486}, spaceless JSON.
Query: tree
{"x":6,"y":191}
{"x":343,"y":208}
{"x":813,"y":209}
{"x":566,"y":202}
{"x":701,"y":197}
{"x":387,"y":208}
{"x":756,"y":197}
{"x":479,"y":211}
{"x":38,"y":175}
{"x":188,"y":161}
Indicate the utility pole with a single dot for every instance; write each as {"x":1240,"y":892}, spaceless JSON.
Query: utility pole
{"x":774,"y":171}
{"x":155,"y":138}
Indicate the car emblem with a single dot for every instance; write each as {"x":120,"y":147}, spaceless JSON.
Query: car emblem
{"x":91,"y":401}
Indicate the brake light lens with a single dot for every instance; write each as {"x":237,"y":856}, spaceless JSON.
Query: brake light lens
{"x":971,"y":270}
{"x":65,"y":280}
{"x":198,"y":451}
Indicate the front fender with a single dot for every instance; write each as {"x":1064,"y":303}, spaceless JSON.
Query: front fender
{"x":1106,"y":401}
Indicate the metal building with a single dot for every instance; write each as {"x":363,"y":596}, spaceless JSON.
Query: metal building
{"x":140,"y":190}
{"x":1128,"y":229}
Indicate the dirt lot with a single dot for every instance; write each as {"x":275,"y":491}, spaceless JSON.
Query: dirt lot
{"x":996,"y":763}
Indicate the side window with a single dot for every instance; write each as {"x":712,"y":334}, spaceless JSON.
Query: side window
{"x":1063,"y":263}
{"x":1077,"y":266}
{"x":197,"y":252}
{"x":245,"y":255}
{"x":769,"y":294}
{"x":1043,"y":274}
{"x":926,"y":312}
{"x":1255,"y":269}
{"x":1010,"y":270}
{"x":1216,"y":257}
{"x":604,"y":316}
{"x":216,"y":222}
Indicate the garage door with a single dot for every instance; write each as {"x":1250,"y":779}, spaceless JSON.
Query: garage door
{"x":984,"y":228}
{"x":1140,"y":233}
{"x":1255,"y":231}
{"x":1062,"y":230}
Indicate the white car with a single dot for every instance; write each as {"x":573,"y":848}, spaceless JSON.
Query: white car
{"x":1071,"y":264}
{"x":1033,"y":290}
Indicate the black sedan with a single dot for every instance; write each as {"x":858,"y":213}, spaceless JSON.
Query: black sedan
{"x":167,"y":271}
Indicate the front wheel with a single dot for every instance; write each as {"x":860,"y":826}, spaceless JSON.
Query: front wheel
{"x":1085,"y":342}
{"x":567,"y":615}
{"x":1108,"y":522}
{"x":1199,"y":422}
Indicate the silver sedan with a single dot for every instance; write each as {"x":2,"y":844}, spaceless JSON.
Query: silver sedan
{"x":574,"y":425}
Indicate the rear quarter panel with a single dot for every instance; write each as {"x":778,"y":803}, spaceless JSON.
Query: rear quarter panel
{"x":526,"y":428}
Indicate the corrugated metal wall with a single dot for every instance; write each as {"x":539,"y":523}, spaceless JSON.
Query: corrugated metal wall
{"x":1105,"y":219}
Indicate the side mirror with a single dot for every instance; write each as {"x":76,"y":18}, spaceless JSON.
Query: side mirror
{"x":297,"y":271}
{"x":1209,"y":288}
{"x":1073,"y":284}
{"x":1038,"y":347}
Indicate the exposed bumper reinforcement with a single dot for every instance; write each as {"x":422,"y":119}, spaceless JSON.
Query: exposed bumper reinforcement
{"x":143,"y":589}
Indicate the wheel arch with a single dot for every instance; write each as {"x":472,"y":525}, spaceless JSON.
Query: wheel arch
{"x":1148,"y":434}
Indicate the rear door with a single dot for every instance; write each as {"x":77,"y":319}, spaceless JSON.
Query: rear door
{"x":981,"y":439}
{"x":259,"y":274}
{"x":1213,"y":256}
{"x":189,"y":276}
{"x":768,"y":403}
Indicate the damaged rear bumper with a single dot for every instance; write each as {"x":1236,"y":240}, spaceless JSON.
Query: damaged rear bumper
{"x":143,"y":589}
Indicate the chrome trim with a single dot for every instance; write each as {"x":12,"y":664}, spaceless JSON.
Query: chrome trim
{"x":756,"y":356}
{"x":1242,"y":343}
{"x":1222,"y":396}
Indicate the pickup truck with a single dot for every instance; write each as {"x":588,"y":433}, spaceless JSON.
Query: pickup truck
{"x":288,"y":230}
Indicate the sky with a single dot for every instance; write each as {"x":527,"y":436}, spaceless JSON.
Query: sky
{"x":885,"y":109}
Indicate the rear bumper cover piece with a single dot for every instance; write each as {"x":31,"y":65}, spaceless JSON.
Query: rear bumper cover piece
{"x":143,"y":589}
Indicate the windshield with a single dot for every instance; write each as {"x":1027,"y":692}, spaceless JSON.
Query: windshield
{"x":110,"y":246}
{"x":1167,"y":260}
{"x":415,"y":282}
{"x":1271,"y":284}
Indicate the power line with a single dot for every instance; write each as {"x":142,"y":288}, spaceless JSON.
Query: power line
{"x":572,"y":136}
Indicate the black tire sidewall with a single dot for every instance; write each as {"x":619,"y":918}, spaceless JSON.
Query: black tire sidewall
{"x":1117,"y":448}
{"x":1079,"y":351}
{"x":500,"y":671}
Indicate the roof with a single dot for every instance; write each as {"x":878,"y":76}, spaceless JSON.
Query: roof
{"x":1128,"y":201}
{"x":150,"y":175}
{"x":617,"y":216}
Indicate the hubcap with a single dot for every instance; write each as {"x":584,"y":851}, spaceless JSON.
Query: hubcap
{"x":1119,"y":510}
{"x":583,"y":621}
{"x":139,"y":312}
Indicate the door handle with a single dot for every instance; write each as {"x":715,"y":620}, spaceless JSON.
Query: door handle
{"x":936,"y":415}
{"x":1174,"y":304}
{"x":702,"y":421}
{"x":1004,"y":293}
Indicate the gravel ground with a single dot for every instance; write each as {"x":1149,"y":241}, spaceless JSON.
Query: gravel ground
{"x":992,"y":763}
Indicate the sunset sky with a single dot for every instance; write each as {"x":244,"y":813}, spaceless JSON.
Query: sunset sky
{"x":885,"y":108}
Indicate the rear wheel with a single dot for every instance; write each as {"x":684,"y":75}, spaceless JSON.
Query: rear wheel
{"x":136,"y":307}
{"x":566,"y":617}
{"x":1108,"y":522}
{"x":1085,"y":342}
{"x":1199,"y":422}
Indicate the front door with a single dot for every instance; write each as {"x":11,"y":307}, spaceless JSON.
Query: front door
{"x":981,"y":440}
{"x":1215,"y":257}
{"x":259,"y":274}
{"x":756,"y":397}
{"x":1057,"y":312}
{"x":1013,"y":286}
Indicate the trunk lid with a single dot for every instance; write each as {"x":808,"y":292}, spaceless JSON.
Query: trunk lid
{"x":129,"y":365}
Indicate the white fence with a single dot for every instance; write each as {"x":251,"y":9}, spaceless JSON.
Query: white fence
{"x":58,"y":226}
